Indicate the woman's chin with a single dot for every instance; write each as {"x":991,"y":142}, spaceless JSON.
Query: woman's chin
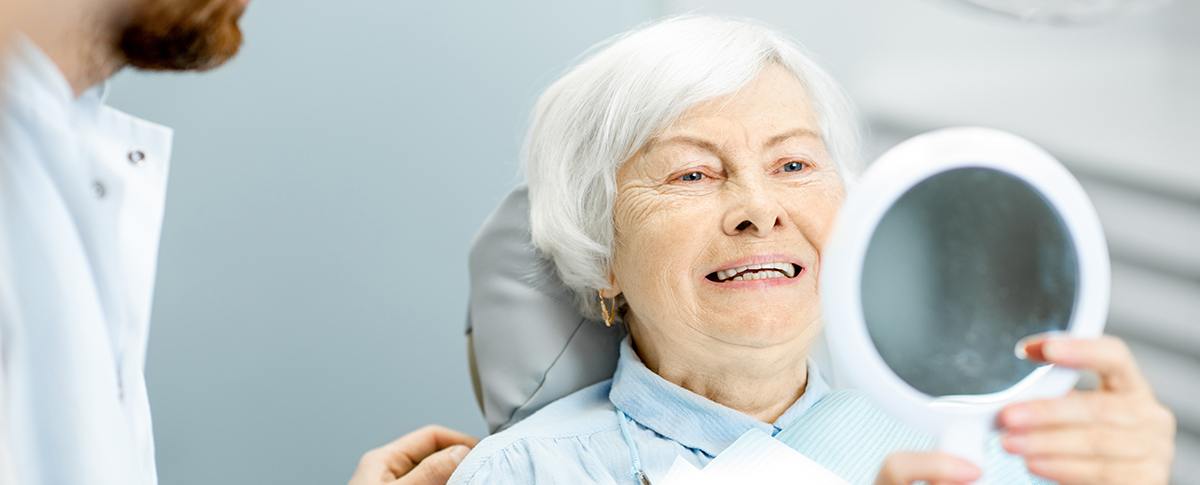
{"x":763,"y":329}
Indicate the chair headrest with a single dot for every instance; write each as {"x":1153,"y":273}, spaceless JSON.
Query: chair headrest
{"x":530,"y":344}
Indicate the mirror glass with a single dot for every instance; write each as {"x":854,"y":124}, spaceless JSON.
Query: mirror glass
{"x":961,"y":267}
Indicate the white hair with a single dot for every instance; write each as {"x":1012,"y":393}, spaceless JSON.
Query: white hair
{"x":602,"y":111}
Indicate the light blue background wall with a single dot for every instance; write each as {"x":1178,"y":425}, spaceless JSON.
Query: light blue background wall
{"x":324,"y":189}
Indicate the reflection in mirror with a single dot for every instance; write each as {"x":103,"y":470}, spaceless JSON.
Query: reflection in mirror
{"x":960,"y":268}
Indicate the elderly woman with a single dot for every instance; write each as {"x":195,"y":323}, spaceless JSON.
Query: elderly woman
{"x":683,"y":180}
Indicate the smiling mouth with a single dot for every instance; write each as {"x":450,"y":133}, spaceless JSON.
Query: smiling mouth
{"x":761,"y":271}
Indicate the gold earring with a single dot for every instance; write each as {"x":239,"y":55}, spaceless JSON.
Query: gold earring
{"x":609,"y":316}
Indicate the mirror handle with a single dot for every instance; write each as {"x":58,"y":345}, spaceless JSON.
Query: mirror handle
{"x":966,"y":438}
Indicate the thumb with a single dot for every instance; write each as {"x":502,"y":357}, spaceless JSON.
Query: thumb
{"x":436,"y":468}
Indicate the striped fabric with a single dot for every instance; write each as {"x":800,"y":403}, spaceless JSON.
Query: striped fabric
{"x":582,"y":439}
{"x":851,"y":437}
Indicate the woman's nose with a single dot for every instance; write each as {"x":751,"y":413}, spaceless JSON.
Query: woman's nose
{"x":754,"y":212}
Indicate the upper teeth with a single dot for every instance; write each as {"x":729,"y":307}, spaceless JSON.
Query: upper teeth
{"x":787,"y":269}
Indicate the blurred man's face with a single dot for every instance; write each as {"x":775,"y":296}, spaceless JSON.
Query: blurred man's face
{"x":181,"y":35}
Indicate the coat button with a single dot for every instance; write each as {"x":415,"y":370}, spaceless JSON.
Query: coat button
{"x":136,"y":157}
{"x":99,"y":188}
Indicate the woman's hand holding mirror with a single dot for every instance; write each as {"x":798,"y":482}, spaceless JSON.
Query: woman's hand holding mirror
{"x":1118,"y":433}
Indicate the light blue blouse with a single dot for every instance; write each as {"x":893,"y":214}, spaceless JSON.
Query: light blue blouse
{"x":578,"y":439}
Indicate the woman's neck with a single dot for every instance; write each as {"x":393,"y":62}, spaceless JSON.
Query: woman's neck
{"x":762,"y":382}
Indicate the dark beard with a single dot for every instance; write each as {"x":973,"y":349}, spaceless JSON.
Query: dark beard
{"x":181,"y":35}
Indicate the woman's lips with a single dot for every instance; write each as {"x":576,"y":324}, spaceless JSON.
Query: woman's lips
{"x":763,"y":279}
{"x":774,"y":269}
{"x":757,"y":267}
{"x":761,"y":271}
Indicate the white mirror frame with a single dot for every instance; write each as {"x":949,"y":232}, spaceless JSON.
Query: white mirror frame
{"x":961,"y":423}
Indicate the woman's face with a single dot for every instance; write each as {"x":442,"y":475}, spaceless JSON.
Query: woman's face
{"x":737,"y":183}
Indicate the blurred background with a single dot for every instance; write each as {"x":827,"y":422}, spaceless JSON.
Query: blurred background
{"x":327,"y":183}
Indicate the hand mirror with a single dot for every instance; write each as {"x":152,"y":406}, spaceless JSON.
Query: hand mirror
{"x":954,"y":246}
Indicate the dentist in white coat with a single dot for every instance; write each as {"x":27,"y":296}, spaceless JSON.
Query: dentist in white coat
{"x":82,"y":188}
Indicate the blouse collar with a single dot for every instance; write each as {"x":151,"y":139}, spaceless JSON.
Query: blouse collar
{"x":688,"y":418}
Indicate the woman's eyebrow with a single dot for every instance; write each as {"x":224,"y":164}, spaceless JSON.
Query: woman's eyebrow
{"x":712,"y":147}
{"x":685,"y":140}
{"x":787,"y":135}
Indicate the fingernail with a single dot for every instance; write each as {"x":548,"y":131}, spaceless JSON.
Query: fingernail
{"x":1027,"y":347}
{"x":1030,"y":347}
{"x":458,"y":452}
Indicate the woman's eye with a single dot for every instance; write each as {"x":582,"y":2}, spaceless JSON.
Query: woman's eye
{"x":793,"y":166}
{"x":692,"y":177}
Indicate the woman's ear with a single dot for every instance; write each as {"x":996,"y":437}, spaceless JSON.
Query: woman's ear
{"x":614,"y":287}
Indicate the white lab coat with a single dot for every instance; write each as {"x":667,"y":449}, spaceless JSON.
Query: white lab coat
{"x":82,"y":188}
